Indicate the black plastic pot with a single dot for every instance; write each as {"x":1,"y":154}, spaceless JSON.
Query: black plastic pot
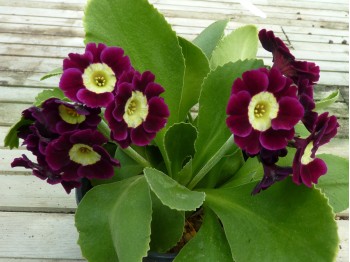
{"x":152,"y":256}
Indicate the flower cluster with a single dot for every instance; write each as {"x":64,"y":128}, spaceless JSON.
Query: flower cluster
{"x":264,"y":108}
{"x":63,"y":135}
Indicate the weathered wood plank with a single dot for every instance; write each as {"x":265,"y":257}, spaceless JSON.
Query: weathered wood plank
{"x":38,"y":235}
{"x":27,"y":193}
{"x":53,"y":236}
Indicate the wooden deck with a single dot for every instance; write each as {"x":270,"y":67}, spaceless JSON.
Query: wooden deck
{"x":36,"y":220}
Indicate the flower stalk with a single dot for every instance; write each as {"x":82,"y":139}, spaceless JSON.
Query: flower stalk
{"x":212,"y":162}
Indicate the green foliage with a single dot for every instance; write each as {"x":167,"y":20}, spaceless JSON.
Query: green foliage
{"x":167,"y":226}
{"x":285,"y":223}
{"x":171,"y":193}
{"x":211,"y":123}
{"x":179,"y":144}
{"x":209,"y":38}
{"x":109,"y":220}
{"x":138,"y":28}
{"x":49,"y":93}
{"x":327,"y":101}
{"x":240,"y":44}
{"x":209,"y":244}
{"x":55,"y":72}
{"x":11,"y":139}
{"x":335,"y":184}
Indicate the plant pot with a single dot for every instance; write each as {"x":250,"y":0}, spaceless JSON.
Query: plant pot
{"x":152,"y":256}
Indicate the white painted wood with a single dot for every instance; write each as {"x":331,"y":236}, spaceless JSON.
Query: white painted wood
{"x":343,"y":232}
{"x":38,"y":235}
{"x":27,"y":193}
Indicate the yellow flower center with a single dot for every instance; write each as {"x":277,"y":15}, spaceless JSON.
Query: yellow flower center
{"x":262,"y":108}
{"x":83,"y":154}
{"x":136,"y":109}
{"x":70,"y":115}
{"x":99,"y":78}
{"x":306,"y":158}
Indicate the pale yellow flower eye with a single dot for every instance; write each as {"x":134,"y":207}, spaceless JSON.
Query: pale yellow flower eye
{"x":83,"y":154}
{"x":70,"y":115}
{"x":262,"y":108}
{"x":136,"y":109}
{"x":99,"y":78}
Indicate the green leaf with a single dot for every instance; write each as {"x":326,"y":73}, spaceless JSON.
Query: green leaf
{"x":112,"y":225}
{"x":284,"y":223}
{"x":49,"y":93}
{"x":216,"y":90}
{"x":179,"y":144}
{"x":185,"y":174}
{"x":208,"y":39}
{"x":197,"y":67}
{"x":11,"y":139}
{"x":209,"y":244}
{"x":329,"y":100}
{"x":240,"y":44}
{"x":335,"y":184}
{"x":55,"y":72}
{"x":250,"y":171}
{"x":147,"y":38}
{"x":171,"y":193}
{"x":167,"y":226}
{"x":301,"y":130}
{"x":223,"y":170}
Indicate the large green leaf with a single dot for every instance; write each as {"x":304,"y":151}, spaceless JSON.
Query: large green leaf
{"x":284,"y":223}
{"x":114,"y":221}
{"x":171,"y":193}
{"x":208,"y":39}
{"x":209,"y":244}
{"x":11,"y":139}
{"x":335,"y":184}
{"x":216,"y":90}
{"x":146,"y":37}
{"x":197,"y":67}
{"x":179,"y":144}
{"x":241,"y":44}
{"x":167,"y":226}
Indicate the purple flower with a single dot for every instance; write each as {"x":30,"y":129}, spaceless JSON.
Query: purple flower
{"x":306,"y":167}
{"x":80,"y":154}
{"x":263,"y":110}
{"x":44,"y":172}
{"x":60,"y":117}
{"x":91,"y":78}
{"x":137,"y":112}
{"x":285,"y":61}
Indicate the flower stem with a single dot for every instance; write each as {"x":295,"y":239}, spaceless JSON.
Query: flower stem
{"x":104,"y":129}
{"x":136,"y":156}
{"x":212,"y":162}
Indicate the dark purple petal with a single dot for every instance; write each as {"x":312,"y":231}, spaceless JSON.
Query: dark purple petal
{"x":69,"y":185}
{"x":290,"y":113}
{"x":88,"y":137}
{"x":115,"y":59}
{"x":157,"y":107}
{"x":55,"y":157}
{"x":256,"y":81}
{"x":238,"y":86}
{"x":276,"y":81}
{"x":250,"y":143}
{"x":77,"y":61}
{"x":140,"y":137}
{"x":239,"y":125}
{"x":71,"y":82}
{"x":153,"y":124}
{"x":276,"y":139}
{"x":238,"y":104}
{"x":92,"y":99}
{"x":153,"y":89}
{"x":95,"y":51}
{"x":100,"y":170}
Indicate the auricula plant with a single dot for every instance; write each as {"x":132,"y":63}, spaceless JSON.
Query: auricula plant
{"x":194,"y":148}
